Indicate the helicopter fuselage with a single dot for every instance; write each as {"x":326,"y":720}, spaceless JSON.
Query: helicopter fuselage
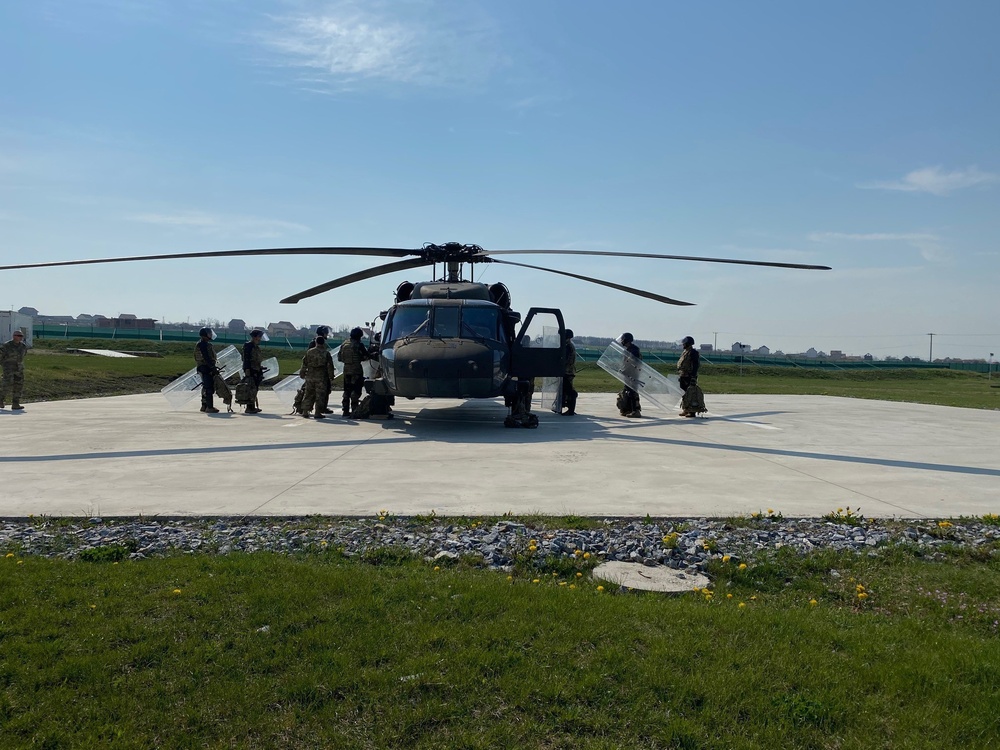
{"x":452,"y":341}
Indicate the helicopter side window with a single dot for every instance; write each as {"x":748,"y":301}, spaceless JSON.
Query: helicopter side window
{"x":409,"y":321}
{"x":480,"y":323}
{"x":446,"y":322}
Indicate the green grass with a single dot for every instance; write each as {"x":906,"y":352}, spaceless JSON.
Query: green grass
{"x":265,"y":651}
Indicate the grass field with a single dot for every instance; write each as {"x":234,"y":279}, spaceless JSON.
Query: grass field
{"x":315,"y":651}
{"x":52,"y":374}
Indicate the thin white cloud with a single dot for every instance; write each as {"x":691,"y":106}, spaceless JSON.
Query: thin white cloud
{"x":931,"y":246}
{"x":936,"y":181}
{"x":206,"y":223}
{"x":420,"y":43}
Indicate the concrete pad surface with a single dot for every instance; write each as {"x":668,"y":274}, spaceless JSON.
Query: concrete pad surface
{"x":802,"y":456}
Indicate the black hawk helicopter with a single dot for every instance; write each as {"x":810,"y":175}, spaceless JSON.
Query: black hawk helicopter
{"x":453,"y":337}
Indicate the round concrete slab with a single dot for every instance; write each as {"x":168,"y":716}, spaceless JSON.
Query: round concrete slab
{"x":646,"y":578}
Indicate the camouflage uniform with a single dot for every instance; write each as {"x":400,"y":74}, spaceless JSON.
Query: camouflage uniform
{"x":211,"y":380}
{"x":693,"y":401}
{"x":352,"y":354}
{"x":628,"y":399}
{"x":317,"y":371}
{"x":12,"y":360}
{"x":569,"y":394}
{"x":253,"y":366}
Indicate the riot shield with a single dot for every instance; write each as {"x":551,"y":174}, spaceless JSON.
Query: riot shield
{"x":287,"y":388}
{"x":271,"y":368}
{"x":551,"y":396}
{"x":661,"y":390}
{"x":178,"y":392}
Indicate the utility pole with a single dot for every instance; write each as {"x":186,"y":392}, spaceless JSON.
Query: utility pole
{"x":989,"y":368}
{"x":715,"y":342}
{"x":930,"y":354}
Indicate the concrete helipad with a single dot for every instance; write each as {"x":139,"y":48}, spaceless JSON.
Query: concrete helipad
{"x":797,"y":455}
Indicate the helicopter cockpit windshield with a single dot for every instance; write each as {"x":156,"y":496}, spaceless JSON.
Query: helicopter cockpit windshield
{"x":461,"y":321}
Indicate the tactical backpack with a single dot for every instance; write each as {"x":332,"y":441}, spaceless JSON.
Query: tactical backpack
{"x":244,"y":391}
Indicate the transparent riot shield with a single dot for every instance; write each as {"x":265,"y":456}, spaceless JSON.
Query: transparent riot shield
{"x":550,"y":396}
{"x":290,"y":385}
{"x":287,"y":388}
{"x":178,"y":392}
{"x":662,"y":390}
{"x":271,"y":368}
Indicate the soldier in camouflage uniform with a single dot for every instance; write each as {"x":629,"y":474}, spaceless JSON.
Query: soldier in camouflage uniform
{"x":318,"y":373}
{"x":211,"y":381}
{"x":253,"y":367}
{"x":12,"y":360}
{"x":569,"y":393}
{"x":352,"y":354}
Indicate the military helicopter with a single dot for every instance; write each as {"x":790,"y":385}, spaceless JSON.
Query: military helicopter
{"x":453,"y":337}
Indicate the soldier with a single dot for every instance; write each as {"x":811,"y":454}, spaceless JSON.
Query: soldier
{"x":628,"y":399}
{"x":318,"y":373}
{"x":693,"y":401}
{"x":297,"y":404}
{"x":253,"y":367}
{"x":211,"y":380}
{"x":12,"y":359}
{"x":352,"y":354}
{"x":569,"y":394}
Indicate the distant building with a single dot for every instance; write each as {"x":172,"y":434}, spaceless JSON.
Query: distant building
{"x":705,"y":348}
{"x":281,"y":328}
{"x":739,"y":348}
{"x":762,"y":351}
{"x":29,"y":311}
{"x":836,"y":354}
{"x":237,"y":325}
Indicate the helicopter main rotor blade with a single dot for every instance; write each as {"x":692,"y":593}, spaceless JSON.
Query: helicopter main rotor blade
{"x":378,"y":251}
{"x":611,"y":284}
{"x":664,"y":257}
{"x":401,"y":265}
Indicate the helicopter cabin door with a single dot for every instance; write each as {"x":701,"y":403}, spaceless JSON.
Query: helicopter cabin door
{"x":538,"y":351}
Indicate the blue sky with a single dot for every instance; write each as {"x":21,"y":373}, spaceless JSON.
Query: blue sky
{"x":859,"y":135}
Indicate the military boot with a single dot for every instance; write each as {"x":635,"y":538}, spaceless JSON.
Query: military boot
{"x":16,"y":407}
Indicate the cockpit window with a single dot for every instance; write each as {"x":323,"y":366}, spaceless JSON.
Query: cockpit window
{"x":409,"y":321}
{"x":480,"y":323}
{"x":449,"y":321}
{"x":446,"y":322}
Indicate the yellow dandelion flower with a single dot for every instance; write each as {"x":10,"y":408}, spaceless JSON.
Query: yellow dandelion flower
{"x":708,"y":597}
{"x":743,"y":605}
{"x":510,"y":578}
{"x":572,"y":585}
{"x":20,"y":562}
{"x":437,"y":568}
{"x":579,"y":575}
{"x":9,"y":555}
{"x":177,"y":591}
{"x":586,"y":555}
{"x":726,"y":558}
{"x":729,"y":596}
{"x":743,"y":566}
{"x":769,"y":511}
{"x":862,"y":595}
{"x":536,"y":580}
{"x":753,"y":598}
{"x":600,"y":588}
{"x":813,"y":602}
{"x":859,"y":587}
{"x":562,"y":583}
{"x":554,"y":574}
{"x":93,"y":606}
